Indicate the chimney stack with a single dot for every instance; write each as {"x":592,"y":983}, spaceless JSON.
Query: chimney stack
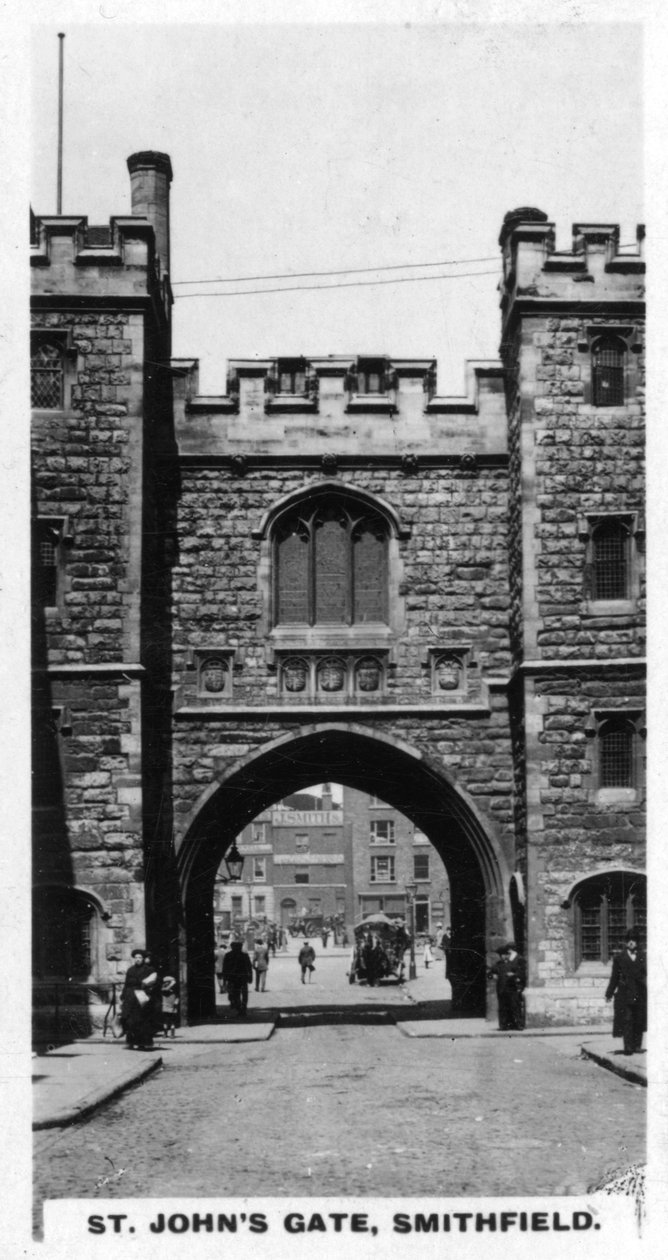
{"x":150,"y":177}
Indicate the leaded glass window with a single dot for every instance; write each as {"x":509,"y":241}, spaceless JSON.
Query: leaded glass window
{"x":606,"y":906}
{"x":46,"y":375}
{"x":330,"y":565}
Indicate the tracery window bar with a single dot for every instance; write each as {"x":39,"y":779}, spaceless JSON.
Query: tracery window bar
{"x":330,"y":566}
{"x":610,"y":544}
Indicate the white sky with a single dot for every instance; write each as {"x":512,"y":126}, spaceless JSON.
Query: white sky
{"x":335,"y":145}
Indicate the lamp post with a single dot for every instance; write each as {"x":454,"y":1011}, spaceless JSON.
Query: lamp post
{"x":411,"y":890}
{"x":235,"y":865}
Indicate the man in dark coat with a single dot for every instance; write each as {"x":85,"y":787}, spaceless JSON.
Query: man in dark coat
{"x":510,"y":974}
{"x":237,"y":974}
{"x":628,"y":986}
{"x":306,"y":959}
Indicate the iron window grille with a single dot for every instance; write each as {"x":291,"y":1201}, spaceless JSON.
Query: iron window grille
{"x":616,"y":754}
{"x":610,"y":560}
{"x":608,"y":372}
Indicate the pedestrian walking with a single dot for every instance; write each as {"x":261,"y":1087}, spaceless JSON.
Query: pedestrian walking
{"x":261,"y":965}
{"x":169,"y":1003}
{"x":427,"y":954}
{"x":306,"y":959}
{"x":510,"y":975}
{"x":137,"y":1012}
{"x":237,"y":974}
{"x":628,"y":987}
{"x":324,"y":936}
{"x":219,"y":956}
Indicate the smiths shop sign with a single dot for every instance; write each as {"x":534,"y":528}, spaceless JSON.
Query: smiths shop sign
{"x":307,"y":818}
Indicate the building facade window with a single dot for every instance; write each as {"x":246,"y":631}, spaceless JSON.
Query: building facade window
{"x":608,"y":372}
{"x":291,"y":376}
{"x":259,"y":870}
{"x":330,"y":566}
{"x":302,"y":842}
{"x":259,"y":833}
{"x":237,"y":907}
{"x":259,"y":905}
{"x":65,"y":925}
{"x":381,"y":831}
{"x":610,"y":560}
{"x":301,"y":876}
{"x":420,"y":866}
{"x":605,"y":907}
{"x":382,"y":870}
{"x":47,"y":375}
{"x":616,"y":754}
{"x":48,"y":536}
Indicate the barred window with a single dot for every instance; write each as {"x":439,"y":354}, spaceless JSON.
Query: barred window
{"x":616,"y":759}
{"x":47,"y":375}
{"x":606,"y":906}
{"x":330,"y":565}
{"x":610,"y":560}
{"x":608,"y":372}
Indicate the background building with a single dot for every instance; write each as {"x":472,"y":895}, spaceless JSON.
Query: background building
{"x":334,"y":572}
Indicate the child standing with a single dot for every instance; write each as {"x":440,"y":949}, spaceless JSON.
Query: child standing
{"x":169,"y":1005}
{"x":428,"y":956}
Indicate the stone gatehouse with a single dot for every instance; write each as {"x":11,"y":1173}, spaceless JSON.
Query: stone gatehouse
{"x":333,"y":572}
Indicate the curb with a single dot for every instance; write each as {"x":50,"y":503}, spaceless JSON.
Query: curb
{"x":619,"y":1069}
{"x":90,"y":1102}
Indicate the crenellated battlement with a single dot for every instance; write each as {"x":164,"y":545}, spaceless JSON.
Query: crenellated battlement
{"x":597,"y":269}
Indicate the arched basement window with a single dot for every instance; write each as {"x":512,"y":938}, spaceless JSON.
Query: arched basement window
{"x":610,"y":566}
{"x":47,"y":375}
{"x":330,"y":565}
{"x":64,"y":923}
{"x":608,"y":372}
{"x":606,"y":906}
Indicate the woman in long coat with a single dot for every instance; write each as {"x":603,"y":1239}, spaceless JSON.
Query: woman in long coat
{"x":137,"y":1011}
{"x":628,"y":987}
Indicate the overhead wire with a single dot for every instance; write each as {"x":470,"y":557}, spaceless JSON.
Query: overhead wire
{"x":348,"y":284}
{"x":343,"y":271}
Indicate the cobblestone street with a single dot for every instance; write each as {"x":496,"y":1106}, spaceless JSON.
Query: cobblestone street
{"x":353,"y":1110}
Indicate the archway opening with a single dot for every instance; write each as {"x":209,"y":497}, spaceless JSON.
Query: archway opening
{"x":376,"y":766}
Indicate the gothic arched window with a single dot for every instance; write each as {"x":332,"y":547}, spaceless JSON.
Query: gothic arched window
{"x":605,"y":907}
{"x":608,"y":372}
{"x":616,"y":754}
{"x":330,"y":565}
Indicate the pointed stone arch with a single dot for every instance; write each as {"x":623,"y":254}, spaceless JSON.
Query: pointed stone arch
{"x":374,"y":762}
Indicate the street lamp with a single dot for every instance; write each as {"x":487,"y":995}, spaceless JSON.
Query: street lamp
{"x":411,"y":891}
{"x":234,"y":863}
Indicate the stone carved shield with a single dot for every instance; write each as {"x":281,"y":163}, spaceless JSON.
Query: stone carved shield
{"x":368,"y":674}
{"x":448,"y":673}
{"x":294,"y":675}
{"x":331,"y":675}
{"x":214,"y":672}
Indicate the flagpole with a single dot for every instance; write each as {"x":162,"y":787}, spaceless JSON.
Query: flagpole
{"x":59,"y":210}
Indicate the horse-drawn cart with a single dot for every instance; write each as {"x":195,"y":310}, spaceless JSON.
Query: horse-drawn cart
{"x":379,"y":949}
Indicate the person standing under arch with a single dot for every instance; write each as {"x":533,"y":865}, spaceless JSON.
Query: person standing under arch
{"x":237,"y":975}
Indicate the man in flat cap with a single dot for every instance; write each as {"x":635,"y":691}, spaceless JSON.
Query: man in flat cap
{"x":510,"y":974}
{"x":628,"y":986}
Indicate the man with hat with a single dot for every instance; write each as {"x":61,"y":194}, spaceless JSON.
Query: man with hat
{"x":628,"y":986}
{"x":510,"y":974}
{"x":237,"y":973}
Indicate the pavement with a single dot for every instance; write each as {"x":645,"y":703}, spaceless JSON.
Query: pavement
{"x":72,"y":1081}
